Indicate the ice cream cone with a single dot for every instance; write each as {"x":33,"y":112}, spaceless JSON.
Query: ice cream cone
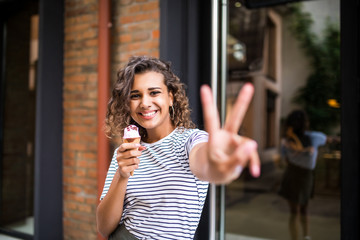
{"x":131,"y":135}
{"x":132,"y":140}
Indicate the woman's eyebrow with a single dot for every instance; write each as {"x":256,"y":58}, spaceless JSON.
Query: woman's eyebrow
{"x":149,"y":89}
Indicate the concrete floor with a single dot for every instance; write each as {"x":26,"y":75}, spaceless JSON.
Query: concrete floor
{"x":265,"y":216}
{"x":254,"y":210}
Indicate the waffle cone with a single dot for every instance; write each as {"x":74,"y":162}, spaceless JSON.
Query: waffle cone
{"x":132,"y":140}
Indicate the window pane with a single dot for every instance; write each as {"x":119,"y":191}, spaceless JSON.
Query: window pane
{"x":294,"y":65}
{"x":18,"y":92}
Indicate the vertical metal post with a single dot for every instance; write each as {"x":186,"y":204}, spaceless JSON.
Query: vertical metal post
{"x":224,"y":24}
{"x":214,"y":86}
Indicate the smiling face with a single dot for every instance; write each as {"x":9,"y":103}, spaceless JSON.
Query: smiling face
{"x":149,"y":104}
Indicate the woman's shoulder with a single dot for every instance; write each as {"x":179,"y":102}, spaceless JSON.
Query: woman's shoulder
{"x":315,"y":134}
{"x":186,"y":132}
{"x":183,"y":135}
{"x":318,"y":138}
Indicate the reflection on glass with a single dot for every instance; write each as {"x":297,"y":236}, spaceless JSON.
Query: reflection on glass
{"x":18,"y":122}
{"x":299,"y":149}
{"x":290,"y":70}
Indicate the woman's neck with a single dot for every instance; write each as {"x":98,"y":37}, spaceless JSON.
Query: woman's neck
{"x":154,"y":135}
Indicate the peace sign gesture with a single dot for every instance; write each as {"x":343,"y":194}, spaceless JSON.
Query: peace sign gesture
{"x":227,"y":152}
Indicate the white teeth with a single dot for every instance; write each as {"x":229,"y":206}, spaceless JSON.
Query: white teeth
{"x":148,"y":114}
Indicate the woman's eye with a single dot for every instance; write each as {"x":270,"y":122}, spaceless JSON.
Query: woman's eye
{"x":134,"y":96}
{"x":154,"y":93}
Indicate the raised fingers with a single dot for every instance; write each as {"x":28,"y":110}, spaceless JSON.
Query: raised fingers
{"x":210,"y":113}
{"x":246,"y":155}
{"x":236,"y":116}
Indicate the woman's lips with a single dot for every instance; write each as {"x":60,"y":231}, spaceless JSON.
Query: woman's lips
{"x":148,"y":114}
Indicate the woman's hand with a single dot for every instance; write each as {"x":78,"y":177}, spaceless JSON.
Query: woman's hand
{"x":127,"y":158}
{"x":228,"y":153}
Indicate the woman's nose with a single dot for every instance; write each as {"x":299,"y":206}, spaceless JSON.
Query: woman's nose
{"x":145,"y":101}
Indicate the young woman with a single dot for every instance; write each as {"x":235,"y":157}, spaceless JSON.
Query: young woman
{"x":174,"y":162}
{"x":300,"y":149}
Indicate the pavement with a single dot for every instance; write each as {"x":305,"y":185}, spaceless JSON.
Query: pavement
{"x":254,"y":210}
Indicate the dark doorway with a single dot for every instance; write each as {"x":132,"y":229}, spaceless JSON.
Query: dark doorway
{"x":19,"y":48}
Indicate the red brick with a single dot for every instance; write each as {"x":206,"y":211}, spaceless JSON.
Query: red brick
{"x":74,"y":197}
{"x":78,"y":78}
{"x":68,"y":171}
{"x":156,"y":33}
{"x":89,"y":33}
{"x":133,"y":9}
{"x":140,"y":36}
{"x":125,"y":2}
{"x":72,"y":70}
{"x":85,"y":208}
{"x":125,"y":38}
{"x":92,"y":173}
{"x":76,"y":62}
{"x":150,"y":6}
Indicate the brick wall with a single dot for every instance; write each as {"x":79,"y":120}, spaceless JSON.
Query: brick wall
{"x":136,"y":26}
{"x":135,"y":31}
{"x":80,"y":122}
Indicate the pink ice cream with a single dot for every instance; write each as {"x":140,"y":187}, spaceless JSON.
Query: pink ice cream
{"x":131,"y":135}
{"x":131,"y":131}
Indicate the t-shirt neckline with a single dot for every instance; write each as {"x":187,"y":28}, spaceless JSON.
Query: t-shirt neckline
{"x":161,"y":140}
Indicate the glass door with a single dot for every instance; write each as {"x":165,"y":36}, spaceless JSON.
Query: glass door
{"x":291,"y":54}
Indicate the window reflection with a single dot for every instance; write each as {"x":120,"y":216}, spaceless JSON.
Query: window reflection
{"x":18,"y":86}
{"x":263,"y":50}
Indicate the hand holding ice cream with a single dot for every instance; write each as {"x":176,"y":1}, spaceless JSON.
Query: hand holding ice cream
{"x":131,"y":135}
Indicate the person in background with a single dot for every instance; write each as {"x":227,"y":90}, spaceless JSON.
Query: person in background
{"x":300,"y":149}
{"x":174,"y":162}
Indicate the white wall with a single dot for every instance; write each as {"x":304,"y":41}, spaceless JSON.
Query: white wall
{"x":295,"y":64}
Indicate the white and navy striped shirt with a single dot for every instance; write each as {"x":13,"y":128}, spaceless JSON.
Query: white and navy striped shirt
{"x":164,"y":199}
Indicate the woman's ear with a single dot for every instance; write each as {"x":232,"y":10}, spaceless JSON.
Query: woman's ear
{"x":171,"y":97}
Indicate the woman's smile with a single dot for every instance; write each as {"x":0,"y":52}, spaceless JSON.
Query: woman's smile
{"x":148,"y":114}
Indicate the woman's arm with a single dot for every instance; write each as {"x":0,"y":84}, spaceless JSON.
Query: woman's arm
{"x":109,"y":211}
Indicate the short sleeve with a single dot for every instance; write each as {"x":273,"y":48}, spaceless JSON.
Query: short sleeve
{"x":110,"y":175}
{"x":317,"y":139}
{"x":196,"y":137}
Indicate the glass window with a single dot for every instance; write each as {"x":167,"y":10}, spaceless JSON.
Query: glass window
{"x":284,"y":56}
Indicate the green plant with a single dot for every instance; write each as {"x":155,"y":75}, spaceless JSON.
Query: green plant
{"x":324,"y":82}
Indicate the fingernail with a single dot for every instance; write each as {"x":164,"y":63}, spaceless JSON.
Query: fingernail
{"x":238,"y":170}
{"x":255,"y":170}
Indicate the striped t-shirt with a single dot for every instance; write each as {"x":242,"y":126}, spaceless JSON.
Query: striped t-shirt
{"x":164,"y":199}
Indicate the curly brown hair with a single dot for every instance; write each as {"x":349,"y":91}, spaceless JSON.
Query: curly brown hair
{"x":118,"y":110}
